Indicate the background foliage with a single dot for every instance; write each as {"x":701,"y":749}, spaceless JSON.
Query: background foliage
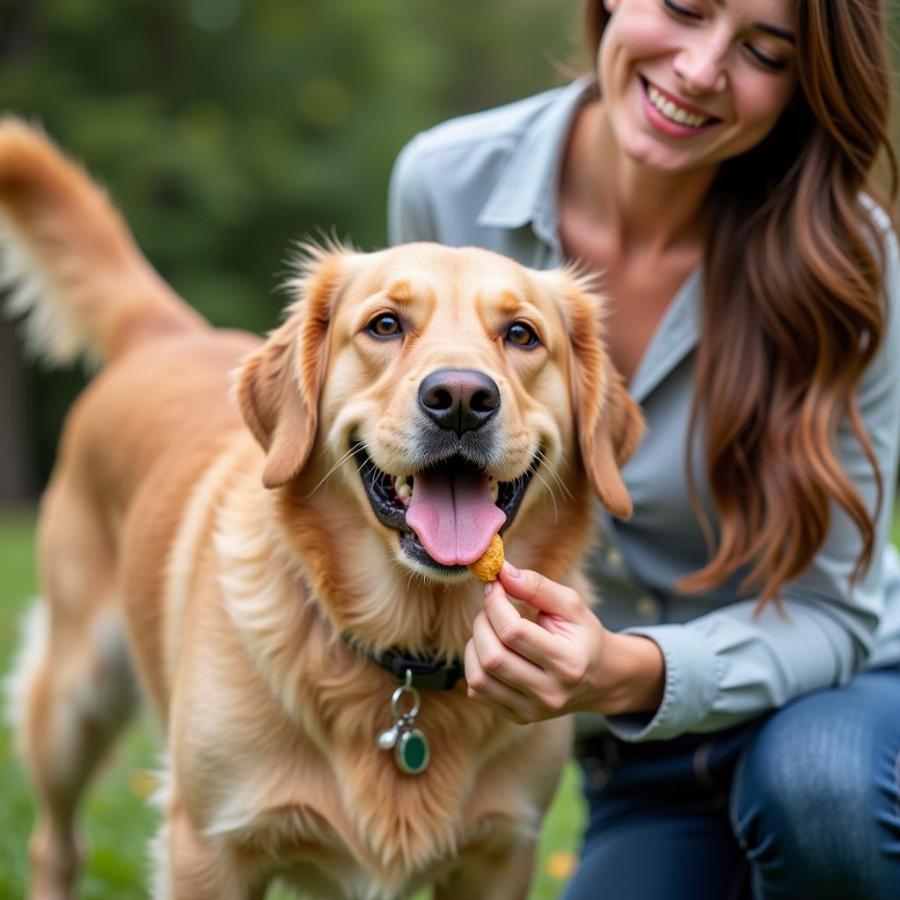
{"x":224,"y":129}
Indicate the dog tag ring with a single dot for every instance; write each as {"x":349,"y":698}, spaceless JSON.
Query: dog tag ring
{"x":397,"y":696}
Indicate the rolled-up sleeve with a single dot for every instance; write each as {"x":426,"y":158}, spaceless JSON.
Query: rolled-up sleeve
{"x":737,"y":662}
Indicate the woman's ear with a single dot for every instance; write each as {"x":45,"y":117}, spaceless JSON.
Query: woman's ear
{"x":278,"y":385}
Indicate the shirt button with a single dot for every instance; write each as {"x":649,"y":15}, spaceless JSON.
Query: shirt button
{"x":614,"y":558}
{"x":647,"y":607}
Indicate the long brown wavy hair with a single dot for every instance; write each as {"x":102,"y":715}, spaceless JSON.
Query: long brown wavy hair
{"x":794,"y":308}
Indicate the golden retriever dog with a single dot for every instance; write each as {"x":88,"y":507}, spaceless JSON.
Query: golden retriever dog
{"x":274,"y":537}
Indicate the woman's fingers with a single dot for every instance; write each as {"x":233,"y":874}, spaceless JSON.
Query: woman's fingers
{"x":531,"y":670}
{"x":501,"y":660}
{"x":528,"y":691}
{"x":500,"y":697}
{"x":527,"y":638}
{"x":553,"y":599}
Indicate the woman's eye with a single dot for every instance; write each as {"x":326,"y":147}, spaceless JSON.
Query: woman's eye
{"x":681,"y":11}
{"x":768,"y":62}
{"x":384,"y":326}
{"x":522,"y":335}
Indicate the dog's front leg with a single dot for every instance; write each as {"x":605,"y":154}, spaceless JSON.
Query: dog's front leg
{"x":503,"y":875}
{"x":190,"y":866}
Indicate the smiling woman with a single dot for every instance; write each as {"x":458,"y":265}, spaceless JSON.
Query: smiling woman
{"x":664,"y":68}
{"x":716,"y":170}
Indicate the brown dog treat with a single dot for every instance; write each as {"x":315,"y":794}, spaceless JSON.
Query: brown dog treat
{"x":488,"y":566}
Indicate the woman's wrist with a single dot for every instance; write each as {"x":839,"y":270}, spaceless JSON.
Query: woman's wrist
{"x":635,"y":675}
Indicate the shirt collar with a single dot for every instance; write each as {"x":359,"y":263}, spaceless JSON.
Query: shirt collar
{"x":527,"y":192}
{"x":675,"y":337}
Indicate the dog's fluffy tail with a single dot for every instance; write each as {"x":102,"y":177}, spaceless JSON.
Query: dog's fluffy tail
{"x":71,"y":262}
{"x":21,"y":678}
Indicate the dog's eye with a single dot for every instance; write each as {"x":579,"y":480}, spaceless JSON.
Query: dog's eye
{"x":385,"y":325}
{"x":522,"y":335}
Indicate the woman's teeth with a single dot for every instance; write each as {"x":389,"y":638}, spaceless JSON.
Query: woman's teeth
{"x":672,"y":112}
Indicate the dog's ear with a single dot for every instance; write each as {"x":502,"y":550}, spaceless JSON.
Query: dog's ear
{"x":278,"y":385}
{"x":607,"y":445}
{"x":608,"y":421}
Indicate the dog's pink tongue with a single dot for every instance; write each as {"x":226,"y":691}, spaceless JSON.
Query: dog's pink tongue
{"x":453,"y":514}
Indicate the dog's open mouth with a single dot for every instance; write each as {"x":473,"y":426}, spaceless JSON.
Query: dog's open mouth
{"x":447,"y":513}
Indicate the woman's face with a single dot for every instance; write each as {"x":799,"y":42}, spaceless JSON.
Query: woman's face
{"x":689,"y":83}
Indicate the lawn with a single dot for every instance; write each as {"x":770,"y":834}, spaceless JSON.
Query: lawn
{"x":118,"y":820}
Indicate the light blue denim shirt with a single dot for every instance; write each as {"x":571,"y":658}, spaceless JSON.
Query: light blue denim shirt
{"x":490,"y":180}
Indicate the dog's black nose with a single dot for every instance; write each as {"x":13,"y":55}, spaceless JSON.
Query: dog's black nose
{"x":459,"y":399}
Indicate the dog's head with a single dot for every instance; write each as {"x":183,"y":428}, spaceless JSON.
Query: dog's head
{"x":450,"y":391}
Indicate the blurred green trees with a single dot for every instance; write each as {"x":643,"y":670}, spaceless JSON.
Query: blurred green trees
{"x":225,"y":129}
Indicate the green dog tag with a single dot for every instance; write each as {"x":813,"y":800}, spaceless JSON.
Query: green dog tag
{"x":412,"y":752}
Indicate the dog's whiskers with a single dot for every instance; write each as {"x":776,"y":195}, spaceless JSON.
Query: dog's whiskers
{"x":542,"y":458}
{"x":351,"y":452}
{"x":552,"y":497}
{"x":553,"y":474}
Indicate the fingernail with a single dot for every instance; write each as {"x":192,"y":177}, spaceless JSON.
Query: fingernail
{"x":487,"y":587}
{"x":510,"y":569}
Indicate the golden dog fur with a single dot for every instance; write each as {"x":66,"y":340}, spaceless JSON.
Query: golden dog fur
{"x":201,"y":523}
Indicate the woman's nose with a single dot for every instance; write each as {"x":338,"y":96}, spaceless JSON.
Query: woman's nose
{"x":700,"y":64}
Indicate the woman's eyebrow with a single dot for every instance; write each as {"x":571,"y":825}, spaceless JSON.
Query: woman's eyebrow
{"x":774,"y":30}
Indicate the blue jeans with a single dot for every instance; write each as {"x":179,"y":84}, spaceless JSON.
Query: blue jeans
{"x":804,"y":803}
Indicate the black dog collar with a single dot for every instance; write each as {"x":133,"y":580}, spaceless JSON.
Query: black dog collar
{"x":427,"y":674}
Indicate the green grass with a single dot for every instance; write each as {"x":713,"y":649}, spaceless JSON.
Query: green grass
{"x":118,"y":820}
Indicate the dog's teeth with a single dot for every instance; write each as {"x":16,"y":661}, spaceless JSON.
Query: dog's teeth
{"x":399,"y":481}
{"x":403,"y":491}
{"x":494,"y":486}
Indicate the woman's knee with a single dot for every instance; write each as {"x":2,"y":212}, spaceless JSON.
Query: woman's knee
{"x":814,"y":799}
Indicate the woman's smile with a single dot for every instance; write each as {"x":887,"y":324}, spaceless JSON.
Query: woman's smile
{"x":673,"y":116}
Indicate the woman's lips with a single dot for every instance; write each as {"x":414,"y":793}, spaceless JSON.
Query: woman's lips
{"x":672,"y":117}
{"x":679,"y":102}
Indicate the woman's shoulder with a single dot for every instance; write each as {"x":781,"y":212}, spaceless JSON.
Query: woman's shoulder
{"x":446,"y":176}
{"x":499,"y":128}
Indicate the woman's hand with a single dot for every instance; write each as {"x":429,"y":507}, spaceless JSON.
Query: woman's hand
{"x":563,"y":661}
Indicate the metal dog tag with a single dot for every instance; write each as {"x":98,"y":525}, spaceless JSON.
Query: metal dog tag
{"x":412,"y":752}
